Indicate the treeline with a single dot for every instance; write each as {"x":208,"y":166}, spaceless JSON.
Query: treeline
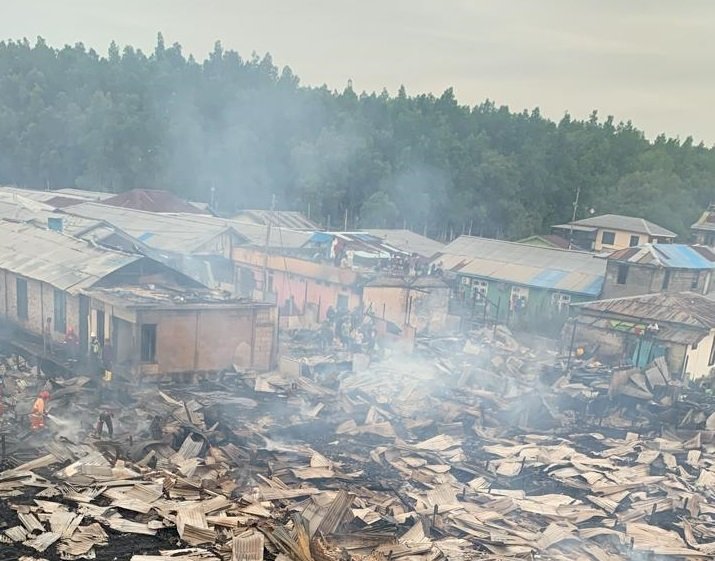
{"x":242,"y":131}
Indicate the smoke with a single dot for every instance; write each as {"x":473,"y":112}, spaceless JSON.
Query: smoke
{"x":69,"y":429}
{"x":408,"y":200}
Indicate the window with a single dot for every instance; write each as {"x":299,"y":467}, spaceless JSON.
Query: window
{"x":666,"y":280}
{"x":519,"y":298}
{"x":560,"y":301}
{"x":60,"y":311}
{"x":148,"y":349}
{"x":21,"y":296}
{"x":622,"y":273}
{"x":695,"y":281}
{"x":635,"y":240}
{"x":479,"y":290}
{"x":608,"y":238}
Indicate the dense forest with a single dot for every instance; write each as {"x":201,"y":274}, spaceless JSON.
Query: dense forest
{"x":245,"y":133}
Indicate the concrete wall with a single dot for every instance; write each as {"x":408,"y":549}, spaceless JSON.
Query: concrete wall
{"x":644,"y":279}
{"x":202,"y":340}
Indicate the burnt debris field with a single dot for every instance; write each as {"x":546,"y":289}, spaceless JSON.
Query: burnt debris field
{"x":476,"y":448}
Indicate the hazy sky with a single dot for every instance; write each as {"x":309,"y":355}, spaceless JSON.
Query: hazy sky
{"x":650,"y":61}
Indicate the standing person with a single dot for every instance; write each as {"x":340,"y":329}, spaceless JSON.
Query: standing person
{"x":105,"y":419}
{"x":47,"y":337}
{"x":95,"y":355}
{"x":108,"y":359}
{"x":72,"y":343}
{"x":326,"y":336}
{"x":39,"y":411}
{"x":105,"y":369}
{"x":345,"y":334}
{"x":95,"y":349}
{"x":330,"y":315}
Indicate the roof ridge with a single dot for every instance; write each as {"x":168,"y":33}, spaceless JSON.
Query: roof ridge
{"x":578,"y":251}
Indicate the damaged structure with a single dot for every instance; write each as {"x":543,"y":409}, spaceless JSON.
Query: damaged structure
{"x":476,"y":451}
{"x":638,"y":329}
{"x":159,"y":321}
{"x":344,"y":271}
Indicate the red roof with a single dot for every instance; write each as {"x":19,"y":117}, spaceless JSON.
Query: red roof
{"x":59,"y":201}
{"x":152,"y":200}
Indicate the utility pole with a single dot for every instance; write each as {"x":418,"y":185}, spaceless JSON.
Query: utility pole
{"x":573,"y":216}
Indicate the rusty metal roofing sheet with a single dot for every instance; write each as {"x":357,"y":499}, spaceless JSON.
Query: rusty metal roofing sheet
{"x":684,"y":335}
{"x":57,"y":259}
{"x":685,"y":308}
{"x":539,"y":267}
{"x":248,"y":546}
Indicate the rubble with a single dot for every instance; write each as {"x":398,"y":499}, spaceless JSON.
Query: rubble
{"x":478,"y":449}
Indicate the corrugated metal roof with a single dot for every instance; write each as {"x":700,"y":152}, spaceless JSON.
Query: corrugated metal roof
{"x":168,"y":232}
{"x":362,"y":243}
{"x":281,"y":218}
{"x":152,"y":200}
{"x":14,"y":206}
{"x":685,"y":335}
{"x":685,"y":308}
{"x":19,"y":209}
{"x":626,"y":223}
{"x":185,"y":233}
{"x":32,"y":194}
{"x":285,"y":238}
{"x":57,"y":259}
{"x":409,"y":241}
{"x":540,"y":267}
{"x":672,"y":256}
{"x":44,"y":195}
{"x":548,"y":240}
{"x":85,"y":194}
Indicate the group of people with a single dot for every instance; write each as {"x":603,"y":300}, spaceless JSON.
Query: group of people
{"x":39,"y":413}
{"x":353,"y":331}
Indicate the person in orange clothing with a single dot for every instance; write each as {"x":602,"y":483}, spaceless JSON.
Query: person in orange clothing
{"x":38,"y":413}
